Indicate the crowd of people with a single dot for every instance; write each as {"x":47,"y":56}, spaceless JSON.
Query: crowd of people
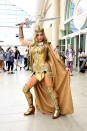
{"x":68,"y":58}
{"x":10,"y":60}
{"x":10,"y":57}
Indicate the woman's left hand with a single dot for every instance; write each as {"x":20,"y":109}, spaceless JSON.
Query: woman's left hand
{"x":67,"y":69}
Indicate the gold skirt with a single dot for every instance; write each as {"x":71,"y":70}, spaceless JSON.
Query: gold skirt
{"x":41,"y":75}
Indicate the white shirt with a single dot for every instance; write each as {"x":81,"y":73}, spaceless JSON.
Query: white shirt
{"x":1,"y":54}
{"x":26,"y":54}
{"x":70,"y":58}
{"x":81,"y":54}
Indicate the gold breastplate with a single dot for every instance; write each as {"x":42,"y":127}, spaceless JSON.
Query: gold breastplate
{"x":39,"y":54}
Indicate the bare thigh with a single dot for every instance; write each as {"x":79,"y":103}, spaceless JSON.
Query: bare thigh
{"x":49,"y":84}
{"x":48,"y":81}
{"x":32,"y":81}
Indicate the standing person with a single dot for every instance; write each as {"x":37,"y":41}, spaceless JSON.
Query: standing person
{"x":2,"y":57}
{"x":63,"y":56}
{"x":11,"y":61}
{"x":70,"y":54}
{"x":25,"y":58}
{"x":81,"y":59}
{"x":17,"y":56}
{"x":49,"y":77}
{"x":57,"y":49}
{"x":7,"y":58}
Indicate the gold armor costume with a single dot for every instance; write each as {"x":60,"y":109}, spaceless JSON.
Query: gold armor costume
{"x":40,"y":66}
{"x":44,"y":61}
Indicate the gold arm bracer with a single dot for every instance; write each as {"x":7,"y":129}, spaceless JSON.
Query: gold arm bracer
{"x":21,"y":32}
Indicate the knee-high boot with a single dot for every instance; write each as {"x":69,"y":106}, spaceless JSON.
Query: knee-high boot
{"x":55,"y":102}
{"x":29,"y":98}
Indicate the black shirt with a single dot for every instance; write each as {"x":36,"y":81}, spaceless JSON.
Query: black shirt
{"x":16,"y":53}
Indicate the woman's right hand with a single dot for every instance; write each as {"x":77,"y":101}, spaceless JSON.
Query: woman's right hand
{"x":21,"y":24}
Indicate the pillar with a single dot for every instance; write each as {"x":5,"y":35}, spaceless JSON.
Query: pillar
{"x":55,"y":24}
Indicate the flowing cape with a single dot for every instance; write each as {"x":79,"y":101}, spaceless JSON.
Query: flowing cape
{"x":61,"y":84}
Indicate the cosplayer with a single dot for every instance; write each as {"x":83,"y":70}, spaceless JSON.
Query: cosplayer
{"x":50,"y":78}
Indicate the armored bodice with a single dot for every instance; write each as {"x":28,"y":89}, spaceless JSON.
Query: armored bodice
{"x":39,"y":54}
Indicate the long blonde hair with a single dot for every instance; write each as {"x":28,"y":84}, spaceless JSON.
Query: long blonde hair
{"x":37,"y":30}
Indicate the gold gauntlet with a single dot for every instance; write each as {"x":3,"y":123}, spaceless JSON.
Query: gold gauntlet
{"x":21,"y":32}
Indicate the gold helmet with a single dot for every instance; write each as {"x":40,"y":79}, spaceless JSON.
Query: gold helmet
{"x":38,"y":27}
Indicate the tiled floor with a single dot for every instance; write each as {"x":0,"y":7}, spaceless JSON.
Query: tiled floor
{"x":13,"y":104}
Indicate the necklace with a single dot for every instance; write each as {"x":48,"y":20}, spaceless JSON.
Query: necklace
{"x":40,"y":44}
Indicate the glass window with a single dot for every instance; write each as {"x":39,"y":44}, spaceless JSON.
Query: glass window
{"x":69,"y":9}
{"x":72,"y":9}
{"x":82,"y":42}
{"x":72,"y":42}
{"x":69,"y":28}
{"x":61,"y":46}
{"x":73,"y":1}
{"x":85,"y":25}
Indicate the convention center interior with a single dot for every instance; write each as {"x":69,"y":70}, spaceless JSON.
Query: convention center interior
{"x":43,"y":65}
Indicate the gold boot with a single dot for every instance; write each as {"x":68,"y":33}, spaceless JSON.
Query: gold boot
{"x":30,"y":111}
{"x":56,"y":114}
{"x":55,"y":102}
{"x":29,"y":98}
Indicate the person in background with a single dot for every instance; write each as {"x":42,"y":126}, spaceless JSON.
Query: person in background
{"x":7,"y":58}
{"x":2,"y":57}
{"x":25,"y":58}
{"x":81,"y":56}
{"x":85,"y":60}
{"x":57,"y":49}
{"x":11,"y":60}
{"x":63,"y":56}
{"x":17,"y":56}
{"x":70,"y":54}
